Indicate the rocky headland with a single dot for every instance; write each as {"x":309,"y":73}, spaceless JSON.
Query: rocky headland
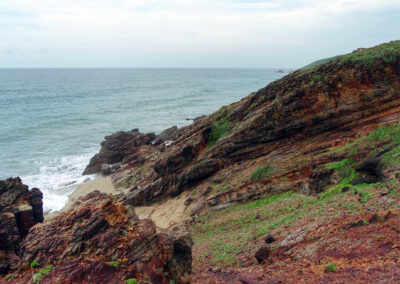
{"x":296,"y":183}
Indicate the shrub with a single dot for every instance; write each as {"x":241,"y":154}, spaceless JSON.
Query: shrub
{"x":34,"y":264}
{"x":261,"y":172}
{"x":113,"y":263}
{"x":43,"y":271}
{"x":219,"y":130}
{"x":131,"y":281}
{"x":331,"y":268}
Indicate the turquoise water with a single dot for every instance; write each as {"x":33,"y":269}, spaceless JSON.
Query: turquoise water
{"x":53,"y":120}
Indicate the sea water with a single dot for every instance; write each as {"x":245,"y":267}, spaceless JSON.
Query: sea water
{"x":53,"y":120}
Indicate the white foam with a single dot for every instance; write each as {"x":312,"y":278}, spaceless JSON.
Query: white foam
{"x":58,"y":179}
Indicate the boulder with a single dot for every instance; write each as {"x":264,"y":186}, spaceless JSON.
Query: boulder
{"x":169,"y":134}
{"x":20,"y":209}
{"x":116,"y":147}
{"x":101,"y":240}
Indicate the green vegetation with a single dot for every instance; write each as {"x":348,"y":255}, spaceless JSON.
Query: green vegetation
{"x":222,"y":235}
{"x":34,"y":264}
{"x":131,"y":281}
{"x":331,"y":268}
{"x":346,"y":172}
{"x":261,"y":173}
{"x":10,"y":276}
{"x":113,"y":264}
{"x":389,"y":52}
{"x":44,"y":271}
{"x":365,"y":195}
{"x":218,"y":131}
{"x":319,"y":62}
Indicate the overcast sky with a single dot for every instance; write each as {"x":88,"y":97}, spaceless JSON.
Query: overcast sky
{"x":189,"y":33}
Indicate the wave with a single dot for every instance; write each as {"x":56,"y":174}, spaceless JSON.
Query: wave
{"x":59,"y":178}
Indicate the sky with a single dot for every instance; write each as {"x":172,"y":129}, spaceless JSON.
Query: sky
{"x":189,"y":33}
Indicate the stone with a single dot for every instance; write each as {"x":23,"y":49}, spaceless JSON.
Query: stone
{"x":169,"y":134}
{"x":262,"y":254}
{"x":104,"y":227}
{"x":269,"y":239}
{"x":116,"y":147}
{"x":20,"y":210}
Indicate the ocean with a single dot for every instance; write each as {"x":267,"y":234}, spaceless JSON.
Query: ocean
{"x":53,"y":120}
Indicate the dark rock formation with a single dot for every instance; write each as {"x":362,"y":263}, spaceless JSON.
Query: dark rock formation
{"x":20,"y":209}
{"x":101,"y":240}
{"x":116,"y":147}
{"x":177,"y":161}
{"x":169,"y":134}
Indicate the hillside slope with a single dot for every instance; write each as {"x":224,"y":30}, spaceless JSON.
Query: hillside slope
{"x":296,"y":183}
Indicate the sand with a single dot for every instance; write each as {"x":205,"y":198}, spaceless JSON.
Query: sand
{"x":102,"y":184}
{"x":167,"y":213}
{"x":164,"y":214}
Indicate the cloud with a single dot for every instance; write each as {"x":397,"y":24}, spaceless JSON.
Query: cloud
{"x":188,"y":32}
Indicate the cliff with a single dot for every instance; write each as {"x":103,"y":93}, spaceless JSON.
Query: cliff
{"x":297,"y":182}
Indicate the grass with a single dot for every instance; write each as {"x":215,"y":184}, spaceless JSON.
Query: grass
{"x":389,"y":52}
{"x":131,"y":281}
{"x":10,"y":276}
{"x":218,"y":131}
{"x":319,"y":62}
{"x":35,"y":263}
{"x":113,"y":264}
{"x":261,"y":173}
{"x":44,"y":271}
{"x":223,"y":235}
{"x":331,"y":268}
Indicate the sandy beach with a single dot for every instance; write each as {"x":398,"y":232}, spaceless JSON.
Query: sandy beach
{"x":102,"y":184}
{"x":165,"y":214}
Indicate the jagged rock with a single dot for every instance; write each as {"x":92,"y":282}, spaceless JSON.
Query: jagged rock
{"x":101,"y":228}
{"x":169,"y":134}
{"x":116,"y":147}
{"x":198,"y":173}
{"x":150,"y":192}
{"x":197,"y":209}
{"x":175,"y":162}
{"x":20,"y":209}
{"x":220,"y":207}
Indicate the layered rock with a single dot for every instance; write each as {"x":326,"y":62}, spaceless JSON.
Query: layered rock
{"x":292,"y":124}
{"x":20,"y":209}
{"x":116,"y":147}
{"x":102,"y":240}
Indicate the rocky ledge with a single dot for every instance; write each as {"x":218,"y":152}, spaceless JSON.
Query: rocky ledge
{"x":20,"y":209}
{"x":101,"y":240}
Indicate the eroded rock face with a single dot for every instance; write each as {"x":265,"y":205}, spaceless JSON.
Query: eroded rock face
{"x":116,"y":147}
{"x":102,"y":240}
{"x":20,"y":209}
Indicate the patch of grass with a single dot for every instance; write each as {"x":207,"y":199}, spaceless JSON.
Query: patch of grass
{"x":35,"y":263}
{"x":389,"y":52}
{"x":346,"y":172}
{"x":113,"y":264}
{"x":131,"y":281}
{"x":345,"y":168}
{"x":319,"y":63}
{"x":44,"y":271}
{"x":331,"y":268}
{"x":261,"y":173}
{"x":365,"y":195}
{"x":10,"y":276}
{"x":218,"y":131}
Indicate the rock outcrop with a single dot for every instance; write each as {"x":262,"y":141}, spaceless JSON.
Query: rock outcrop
{"x":116,"y":147}
{"x":102,"y":240}
{"x":20,"y":209}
